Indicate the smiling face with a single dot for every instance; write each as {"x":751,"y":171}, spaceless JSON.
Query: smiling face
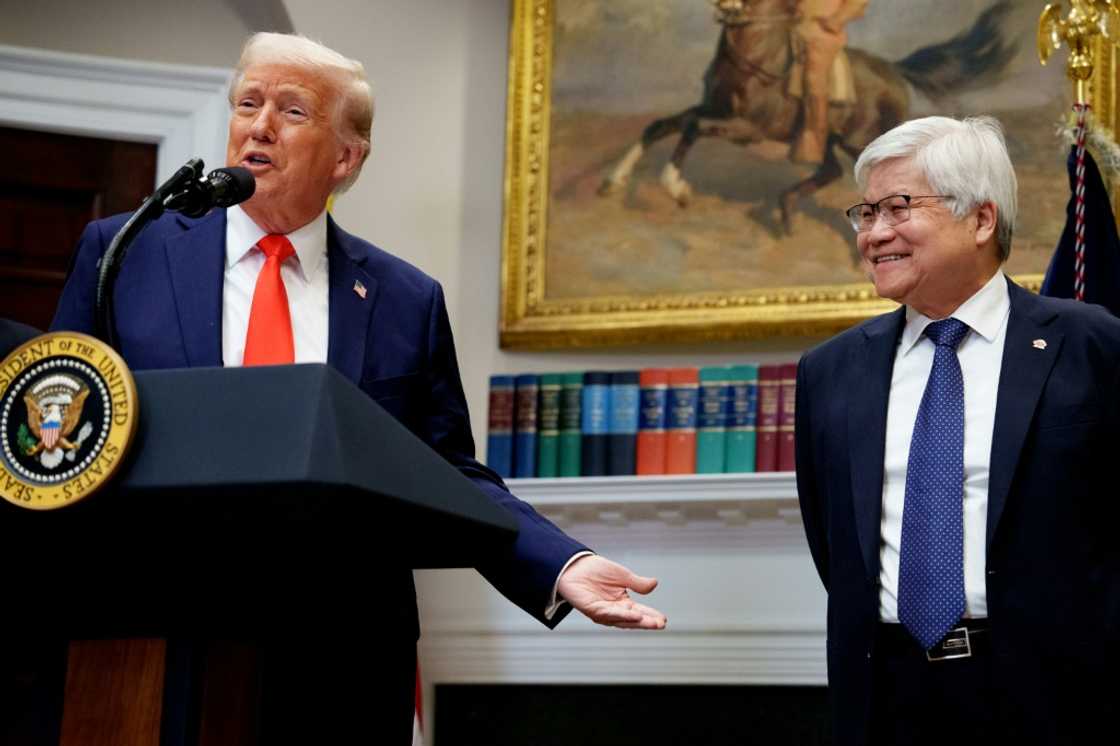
{"x":933,"y":262}
{"x":283,"y":130}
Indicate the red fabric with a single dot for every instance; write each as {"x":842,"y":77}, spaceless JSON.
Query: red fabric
{"x":269,"y":338}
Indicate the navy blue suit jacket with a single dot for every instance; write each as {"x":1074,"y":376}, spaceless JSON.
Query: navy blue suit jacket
{"x":13,"y":334}
{"x":1052,"y":564}
{"x":395,"y":344}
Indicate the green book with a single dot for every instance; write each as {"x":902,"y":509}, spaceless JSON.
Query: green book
{"x":571,"y":394}
{"x":711,"y":419}
{"x":548,"y":425}
{"x":742,"y":418}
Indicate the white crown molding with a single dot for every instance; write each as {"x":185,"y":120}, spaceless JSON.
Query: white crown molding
{"x":181,"y":108}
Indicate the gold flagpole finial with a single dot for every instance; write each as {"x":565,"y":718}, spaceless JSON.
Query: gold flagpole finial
{"x":1086,"y":20}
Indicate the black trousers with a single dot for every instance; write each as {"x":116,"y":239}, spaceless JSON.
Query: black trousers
{"x":916,"y":701}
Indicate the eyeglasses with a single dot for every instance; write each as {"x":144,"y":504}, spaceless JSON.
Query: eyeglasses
{"x":894,"y":209}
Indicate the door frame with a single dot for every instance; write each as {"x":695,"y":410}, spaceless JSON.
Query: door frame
{"x":181,"y":108}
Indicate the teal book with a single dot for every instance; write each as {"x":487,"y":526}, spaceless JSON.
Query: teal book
{"x":570,"y":445}
{"x":742,"y":418}
{"x":548,"y":425}
{"x":711,"y":419}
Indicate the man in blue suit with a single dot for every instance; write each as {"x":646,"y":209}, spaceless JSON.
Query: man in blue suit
{"x":954,"y":467}
{"x":277,"y":280}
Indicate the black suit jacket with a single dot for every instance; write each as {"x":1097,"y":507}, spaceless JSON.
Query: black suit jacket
{"x":1052,"y":563}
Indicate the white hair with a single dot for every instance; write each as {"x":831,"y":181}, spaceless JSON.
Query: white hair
{"x":353,"y":117}
{"x":965,"y":159}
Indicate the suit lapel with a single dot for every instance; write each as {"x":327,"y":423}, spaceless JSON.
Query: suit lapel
{"x":353,"y":294}
{"x":1022,"y":377}
{"x":196,"y":260}
{"x":869,"y":386}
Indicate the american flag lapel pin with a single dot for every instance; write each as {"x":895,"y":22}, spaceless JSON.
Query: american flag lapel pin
{"x":1038,"y":344}
{"x":360,"y":289}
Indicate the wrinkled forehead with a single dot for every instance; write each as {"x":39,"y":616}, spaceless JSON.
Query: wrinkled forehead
{"x":895,"y":176}
{"x":279,"y":79}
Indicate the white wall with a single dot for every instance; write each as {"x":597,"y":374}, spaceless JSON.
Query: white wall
{"x":198,"y":32}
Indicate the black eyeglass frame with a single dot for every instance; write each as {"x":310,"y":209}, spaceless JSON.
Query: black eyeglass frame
{"x":854,"y":216}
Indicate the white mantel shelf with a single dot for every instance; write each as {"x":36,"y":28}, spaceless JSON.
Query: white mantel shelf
{"x":724,"y":488}
{"x":728,"y":498}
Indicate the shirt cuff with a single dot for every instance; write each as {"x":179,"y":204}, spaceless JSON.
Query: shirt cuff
{"x":556,"y":602}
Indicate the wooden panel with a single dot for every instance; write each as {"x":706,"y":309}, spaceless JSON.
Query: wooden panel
{"x":51,"y":186}
{"x":114,"y":693}
{"x":230,"y":694}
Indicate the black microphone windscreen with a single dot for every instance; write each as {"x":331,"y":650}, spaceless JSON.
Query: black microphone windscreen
{"x":231,"y":186}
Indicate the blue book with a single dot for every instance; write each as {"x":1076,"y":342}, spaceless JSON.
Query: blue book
{"x":525,"y":425}
{"x":499,"y":432}
{"x":595,"y":421}
{"x":742,"y":419}
{"x":622,"y":427}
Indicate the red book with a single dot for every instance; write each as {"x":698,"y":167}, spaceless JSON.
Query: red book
{"x":787,"y":401}
{"x":680,"y":446}
{"x":652,"y":420}
{"x":766,"y":452}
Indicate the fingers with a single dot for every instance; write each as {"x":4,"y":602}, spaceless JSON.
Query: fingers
{"x":642,"y":584}
{"x":629,"y":615}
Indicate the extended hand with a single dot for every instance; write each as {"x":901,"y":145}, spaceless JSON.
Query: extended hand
{"x":597,"y":588}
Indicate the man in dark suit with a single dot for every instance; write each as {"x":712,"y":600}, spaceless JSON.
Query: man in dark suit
{"x":13,"y":334}
{"x":276,"y":280}
{"x":953,"y":467}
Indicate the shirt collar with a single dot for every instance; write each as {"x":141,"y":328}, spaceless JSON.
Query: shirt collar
{"x":984,"y":313}
{"x":309,"y":242}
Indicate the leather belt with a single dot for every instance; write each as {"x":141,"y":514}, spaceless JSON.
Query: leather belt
{"x":970,"y":638}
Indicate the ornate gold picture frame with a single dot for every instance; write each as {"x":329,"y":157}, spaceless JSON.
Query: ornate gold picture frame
{"x":565,"y":138}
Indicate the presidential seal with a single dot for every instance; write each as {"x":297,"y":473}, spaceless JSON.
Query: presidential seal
{"x":68,"y":412}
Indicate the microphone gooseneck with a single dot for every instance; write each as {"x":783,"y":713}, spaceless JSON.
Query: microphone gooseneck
{"x":186,"y":192}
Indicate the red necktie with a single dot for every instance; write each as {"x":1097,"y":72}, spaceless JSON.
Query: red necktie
{"x":269,"y":339}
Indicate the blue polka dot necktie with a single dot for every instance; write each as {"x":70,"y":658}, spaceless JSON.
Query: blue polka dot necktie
{"x":931,"y":571}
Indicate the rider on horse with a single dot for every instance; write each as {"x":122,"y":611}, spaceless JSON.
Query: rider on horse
{"x":820,"y":36}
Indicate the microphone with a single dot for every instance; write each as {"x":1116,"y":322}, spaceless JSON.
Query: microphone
{"x":223,"y":187}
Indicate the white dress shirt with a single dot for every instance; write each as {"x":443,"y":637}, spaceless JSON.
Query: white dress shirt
{"x":306,"y":281}
{"x":981,"y":357}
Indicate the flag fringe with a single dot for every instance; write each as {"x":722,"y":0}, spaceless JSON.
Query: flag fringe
{"x":1098,"y":140}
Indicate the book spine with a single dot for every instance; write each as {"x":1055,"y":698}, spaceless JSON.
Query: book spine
{"x":525,"y":425}
{"x":652,"y":418}
{"x":787,"y":403}
{"x":742,"y":419}
{"x":499,"y":429}
{"x":623,"y":424}
{"x":711,"y":420}
{"x":769,"y":380}
{"x":548,"y":426}
{"x":571,"y":425}
{"x":595,"y":415}
{"x":680,"y":448}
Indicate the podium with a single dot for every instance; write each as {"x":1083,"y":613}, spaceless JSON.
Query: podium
{"x":254,"y":501}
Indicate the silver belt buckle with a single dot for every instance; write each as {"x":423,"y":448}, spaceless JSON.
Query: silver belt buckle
{"x":954,"y":645}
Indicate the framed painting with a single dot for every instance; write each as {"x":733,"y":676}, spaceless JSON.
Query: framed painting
{"x":650,"y":192}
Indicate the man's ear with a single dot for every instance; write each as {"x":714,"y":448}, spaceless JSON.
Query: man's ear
{"x":350,"y":157}
{"x":986,"y":215}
